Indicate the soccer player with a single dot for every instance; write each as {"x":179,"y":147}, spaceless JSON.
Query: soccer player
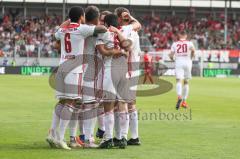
{"x":130,"y":27}
{"x":184,"y":52}
{"x":115,"y":86}
{"x":148,"y":67}
{"x":90,"y":77}
{"x":100,"y":117}
{"x":69,"y":74}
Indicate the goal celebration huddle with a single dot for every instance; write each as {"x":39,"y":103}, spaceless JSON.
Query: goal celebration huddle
{"x":97,"y":78}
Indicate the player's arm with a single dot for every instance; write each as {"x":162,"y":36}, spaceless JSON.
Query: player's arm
{"x":125,"y":43}
{"x":108,"y":52}
{"x":99,"y":29}
{"x":134,"y":22}
{"x":66,"y":23}
{"x":171,"y":55}
{"x":192,"y":51}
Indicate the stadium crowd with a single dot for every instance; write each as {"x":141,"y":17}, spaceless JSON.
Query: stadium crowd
{"x":29,"y":35}
{"x":205,"y":33}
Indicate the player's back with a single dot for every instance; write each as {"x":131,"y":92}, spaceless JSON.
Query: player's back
{"x":182,"y":50}
{"x":72,"y":39}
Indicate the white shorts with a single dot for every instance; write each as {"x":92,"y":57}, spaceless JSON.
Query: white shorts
{"x":89,"y":94}
{"x":115,"y":84}
{"x":68,"y":84}
{"x":183,"y":70}
{"x":109,"y":91}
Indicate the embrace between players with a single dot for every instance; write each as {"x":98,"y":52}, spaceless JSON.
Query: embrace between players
{"x":99,"y":55}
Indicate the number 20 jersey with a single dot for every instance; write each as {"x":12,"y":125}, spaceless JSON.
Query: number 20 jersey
{"x":182,"y":50}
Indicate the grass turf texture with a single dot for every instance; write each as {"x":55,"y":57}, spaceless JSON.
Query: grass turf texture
{"x":26,"y":105}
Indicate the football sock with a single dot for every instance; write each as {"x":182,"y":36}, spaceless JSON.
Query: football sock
{"x":124,"y":123}
{"x":73,"y":128}
{"x":65,"y":117}
{"x":109,"y":124}
{"x":179,"y":89}
{"x":185,"y":91}
{"x":117,"y":125}
{"x":133,"y":124}
{"x":100,"y":118}
{"x":56,"y":119}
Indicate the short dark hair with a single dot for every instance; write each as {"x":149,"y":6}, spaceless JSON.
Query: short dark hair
{"x":118,"y":11}
{"x":111,"y":20}
{"x":106,"y":12}
{"x":182,"y":32}
{"x":91,"y":13}
{"x":75,"y":13}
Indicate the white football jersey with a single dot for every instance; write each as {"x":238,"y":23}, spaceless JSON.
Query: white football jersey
{"x":182,"y":50}
{"x":136,"y":49}
{"x":110,"y":40}
{"x":72,"y":39}
{"x":126,"y":30}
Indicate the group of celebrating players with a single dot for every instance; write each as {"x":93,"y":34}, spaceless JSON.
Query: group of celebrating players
{"x":98,"y":54}
{"x":97,"y":78}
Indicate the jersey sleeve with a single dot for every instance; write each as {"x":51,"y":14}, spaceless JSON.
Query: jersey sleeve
{"x":57,"y":34}
{"x":86,"y":30}
{"x":127,"y":30}
{"x":191,"y":46}
{"x":101,"y":39}
{"x":173,"y":48}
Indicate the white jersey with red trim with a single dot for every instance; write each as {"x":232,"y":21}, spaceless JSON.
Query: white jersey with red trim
{"x":110,"y":40}
{"x":72,"y":39}
{"x":182,"y":50}
{"x":136,"y":49}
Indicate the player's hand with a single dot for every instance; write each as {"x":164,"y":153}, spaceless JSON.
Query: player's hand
{"x":125,"y":16}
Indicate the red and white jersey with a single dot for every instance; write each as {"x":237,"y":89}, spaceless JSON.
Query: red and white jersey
{"x":72,"y":39}
{"x":110,"y":40}
{"x":135,"y":49}
{"x":182,"y":50}
{"x":126,"y":30}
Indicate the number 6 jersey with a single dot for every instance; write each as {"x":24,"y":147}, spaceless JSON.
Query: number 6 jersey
{"x":72,"y":39}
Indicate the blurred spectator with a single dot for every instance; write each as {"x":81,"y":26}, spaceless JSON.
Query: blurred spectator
{"x":26,"y":36}
{"x":206,"y":33}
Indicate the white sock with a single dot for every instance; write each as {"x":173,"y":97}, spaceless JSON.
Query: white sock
{"x":73,"y":125}
{"x":185,"y":91}
{"x":179,"y":89}
{"x":100,"y":118}
{"x":65,"y":118}
{"x":89,"y":125}
{"x":109,"y":124}
{"x":62,"y":128}
{"x":117,"y":126}
{"x":133,"y":124}
{"x":124,"y":123}
{"x":56,"y":119}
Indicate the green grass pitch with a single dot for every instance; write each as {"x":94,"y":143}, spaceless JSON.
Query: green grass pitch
{"x":26,"y":105}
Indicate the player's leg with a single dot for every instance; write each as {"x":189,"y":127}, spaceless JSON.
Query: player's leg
{"x":89,"y":122}
{"x":123,"y":120}
{"x":73,"y":127}
{"x":53,"y":135}
{"x":187,"y":76}
{"x":65,"y":118}
{"x":179,"y":76}
{"x":100,"y":120}
{"x":185,"y":93}
{"x":107,"y":141}
{"x":133,"y":124}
